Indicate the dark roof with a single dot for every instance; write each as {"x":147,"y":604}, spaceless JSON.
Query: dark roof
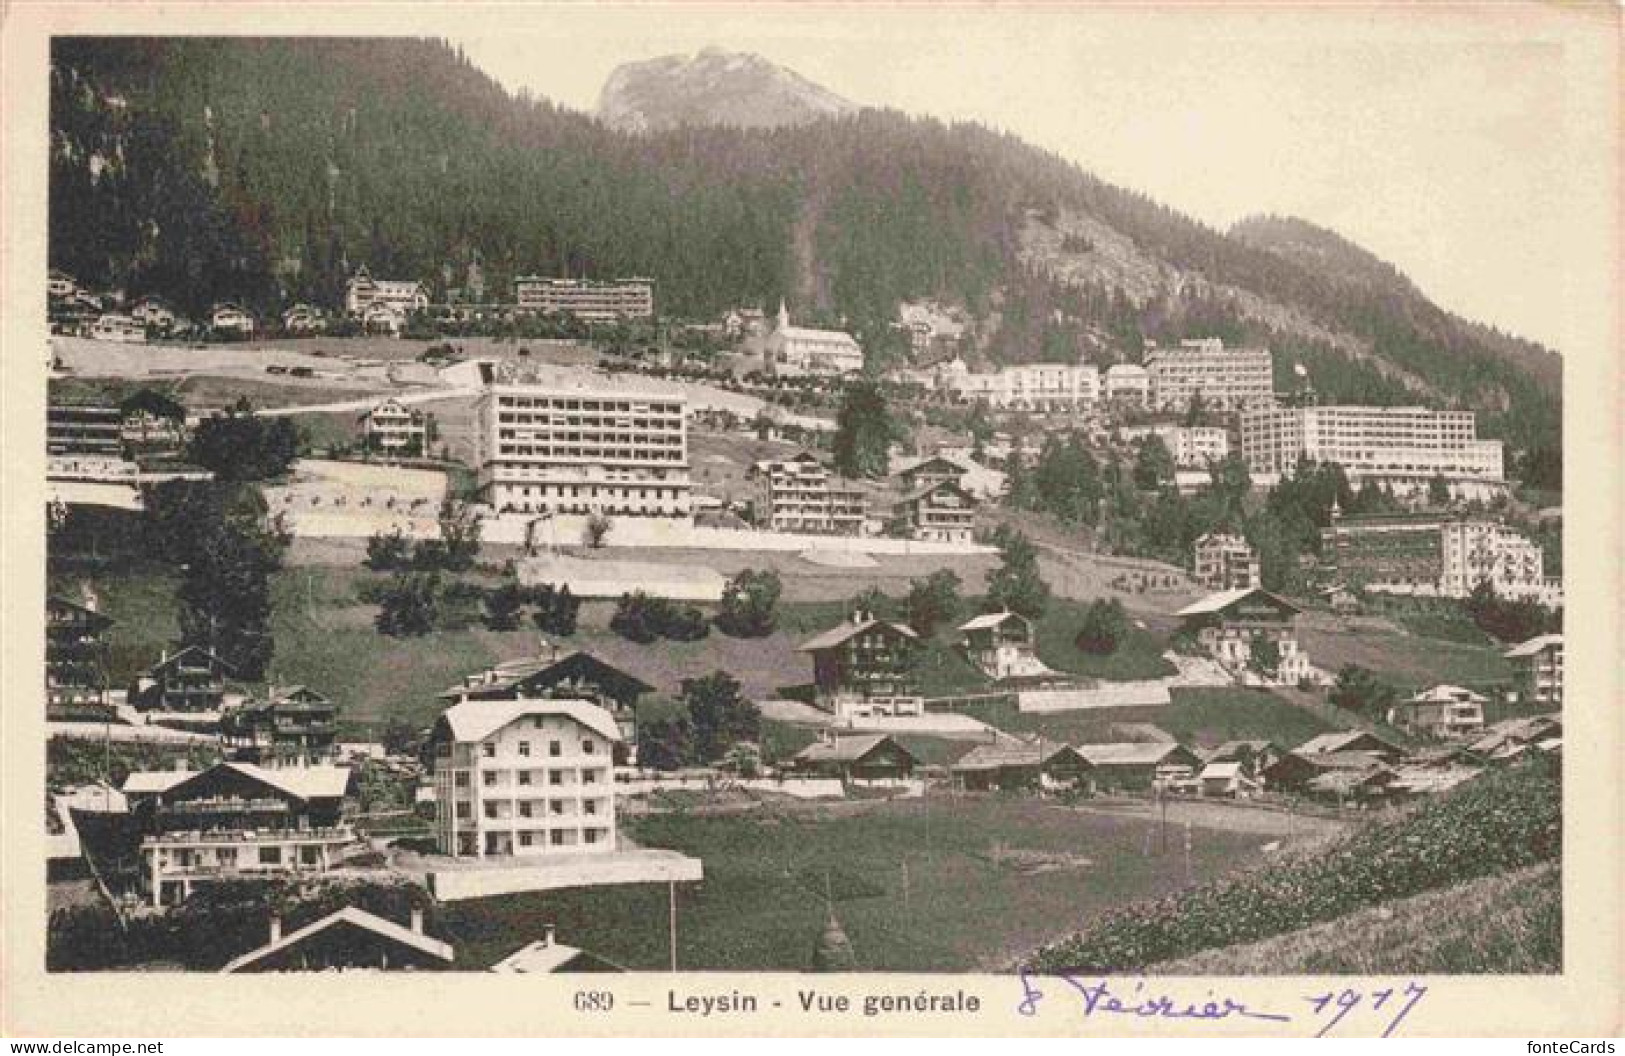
{"x":840,"y":634}
{"x":214,"y":659}
{"x":511,"y":677}
{"x":919,"y":493}
{"x":100,"y":619}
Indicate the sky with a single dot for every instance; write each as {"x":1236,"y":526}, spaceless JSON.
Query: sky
{"x":1443,"y":144}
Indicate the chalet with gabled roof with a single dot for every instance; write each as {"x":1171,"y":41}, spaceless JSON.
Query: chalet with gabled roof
{"x":191,"y":679}
{"x":347,"y":940}
{"x":75,"y":656}
{"x":293,"y":724}
{"x":857,"y":758}
{"x":1228,"y":625}
{"x":1139,"y":765}
{"x":932,"y":471}
{"x":864,"y":667}
{"x":236,"y":820}
{"x":941,"y":512}
{"x":1012,"y":764}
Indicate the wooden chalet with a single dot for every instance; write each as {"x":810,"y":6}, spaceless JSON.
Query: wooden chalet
{"x":1139,"y":765}
{"x":863,"y":668}
{"x":1228,"y":624}
{"x":862,"y":758}
{"x":75,"y":658}
{"x":1293,"y":771}
{"x":548,"y":956}
{"x":1352,"y":741}
{"x":942,"y":512}
{"x":347,"y":940}
{"x":1002,"y":645}
{"x":1255,"y":756}
{"x":294,"y":724}
{"x":1011,"y":765}
{"x":931,"y":472}
{"x":191,"y":679}
{"x":235,"y":820}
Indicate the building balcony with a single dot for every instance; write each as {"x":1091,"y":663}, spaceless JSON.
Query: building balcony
{"x":327,"y":835}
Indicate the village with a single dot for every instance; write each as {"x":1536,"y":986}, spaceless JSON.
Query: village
{"x":594,"y":644}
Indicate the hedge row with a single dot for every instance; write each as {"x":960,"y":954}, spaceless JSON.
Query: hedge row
{"x":1504,"y":819}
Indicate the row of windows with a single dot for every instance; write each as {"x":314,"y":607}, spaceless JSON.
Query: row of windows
{"x":558,"y":403}
{"x":533,"y":808}
{"x":554,"y":748}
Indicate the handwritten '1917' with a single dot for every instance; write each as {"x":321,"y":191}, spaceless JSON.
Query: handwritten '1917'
{"x":1328,"y":1008}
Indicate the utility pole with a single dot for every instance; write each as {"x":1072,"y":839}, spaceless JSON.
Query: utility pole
{"x":671,"y":921}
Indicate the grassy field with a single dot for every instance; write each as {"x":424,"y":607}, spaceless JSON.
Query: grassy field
{"x":1507,"y":924}
{"x":1407,"y":661}
{"x":1196,"y":716}
{"x":986,"y":879}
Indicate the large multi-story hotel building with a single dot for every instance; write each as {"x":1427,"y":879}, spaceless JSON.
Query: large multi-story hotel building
{"x":1029,"y":387}
{"x":545,"y":449}
{"x":1224,"y":378}
{"x":1402,"y":447}
{"x":1433,"y":556}
{"x":524,"y":778}
{"x":595,"y":302}
{"x":800,"y":495}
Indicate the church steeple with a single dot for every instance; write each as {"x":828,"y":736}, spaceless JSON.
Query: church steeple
{"x":784,"y":316}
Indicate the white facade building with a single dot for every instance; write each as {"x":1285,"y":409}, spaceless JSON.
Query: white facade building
{"x":1192,"y":446}
{"x":1028,"y":387}
{"x":1402,"y":447}
{"x":1225,"y":378}
{"x":801,"y":495}
{"x":401,"y":297}
{"x":524,"y":778}
{"x":544,"y":449}
{"x":594,"y":302}
{"x":394,"y":429}
{"x":796,"y":350}
{"x":1129,"y":382}
{"x":1475,"y":551}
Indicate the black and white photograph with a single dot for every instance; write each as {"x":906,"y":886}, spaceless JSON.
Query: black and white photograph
{"x":1069,"y":494}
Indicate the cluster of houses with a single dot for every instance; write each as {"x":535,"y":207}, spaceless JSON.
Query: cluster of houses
{"x":1350,"y":769}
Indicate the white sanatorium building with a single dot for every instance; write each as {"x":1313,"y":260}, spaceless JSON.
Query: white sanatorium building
{"x":1226,"y":378}
{"x":552,"y":449}
{"x":524,"y":778}
{"x":595,"y":302}
{"x":1402,"y":447}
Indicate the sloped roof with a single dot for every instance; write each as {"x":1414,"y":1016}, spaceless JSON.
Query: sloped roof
{"x":848,"y":749}
{"x":1445,"y":693}
{"x":988,"y":620}
{"x":355,"y":917}
{"x":1012,"y":752}
{"x":1337,"y":760}
{"x":1533,"y":646}
{"x":1220,"y":771}
{"x":542,"y":957}
{"x":153,"y":780}
{"x":1339,"y":741}
{"x":515,"y":673}
{"x":921,"y":492}
{"x":301,"y":782}
{"x":942,"y":460}
{"x":213,"y":657}
{"x":1128,"y":753}
{"x":1345,"y":780}
{"x":837,"y":635}
{"x":1225,"y":598}
{"x":475,"y":720}
{"x":1232,"y":749}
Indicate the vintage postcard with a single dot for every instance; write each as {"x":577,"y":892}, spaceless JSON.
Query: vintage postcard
{"x":900,"y":519}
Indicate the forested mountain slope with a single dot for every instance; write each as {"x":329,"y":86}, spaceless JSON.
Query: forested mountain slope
{"x":263,"y":170}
